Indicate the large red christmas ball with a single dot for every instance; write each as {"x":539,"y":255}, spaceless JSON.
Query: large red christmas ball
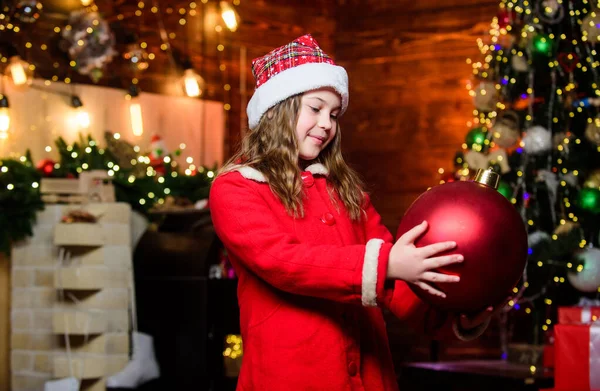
{"x":489,"y":233}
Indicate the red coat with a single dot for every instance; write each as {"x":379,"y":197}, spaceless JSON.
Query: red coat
{"x":309,"y":288}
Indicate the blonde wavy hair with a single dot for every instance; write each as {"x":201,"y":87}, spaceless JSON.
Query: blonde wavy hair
{"x":272,"y":148}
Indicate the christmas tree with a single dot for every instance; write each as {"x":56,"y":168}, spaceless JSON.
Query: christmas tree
{"x":536,"y":92}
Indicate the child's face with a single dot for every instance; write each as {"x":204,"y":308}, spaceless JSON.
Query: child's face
{"x":317,"y":122}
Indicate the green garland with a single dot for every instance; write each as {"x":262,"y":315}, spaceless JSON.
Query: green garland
{"x":20,"y":200}
{"x":136,"y":181}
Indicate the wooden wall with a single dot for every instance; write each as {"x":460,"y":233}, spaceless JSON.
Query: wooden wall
{"x":408,"y":102}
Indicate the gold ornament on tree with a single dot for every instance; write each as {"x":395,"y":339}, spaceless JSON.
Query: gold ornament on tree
{"x":565,"y":228}
{"x":125,"y":154}
{"x":589,"y":27}
{"x":592,"y":131}
{"x":527,"y":33}
{"x":486,"y":96}
{"x":506,"y":130}
{"x":593,"y":180}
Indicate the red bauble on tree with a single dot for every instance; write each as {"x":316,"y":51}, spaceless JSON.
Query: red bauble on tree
{"x":489,"y":233}
{"x":45,"y":167}
{"x":506,"y":17}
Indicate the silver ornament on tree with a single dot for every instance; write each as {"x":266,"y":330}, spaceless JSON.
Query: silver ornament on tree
{"x":486,"y":96}
{"x":137,"y":57}
{"x":89,"y":42}
{"x":27,"y":11}
{"x":592,"y":131}
{"x":519,"y":63}
{"x":550,"y":11}
{"x":588,"y":279}
{"x":589,"y":27}
{"x":505,"y":130}
{"x":537,"y":140}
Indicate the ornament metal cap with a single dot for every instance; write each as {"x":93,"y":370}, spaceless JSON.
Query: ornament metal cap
{"x":487,"y":177}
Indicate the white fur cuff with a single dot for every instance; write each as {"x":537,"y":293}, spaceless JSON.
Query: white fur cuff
{"x":369,"y":273}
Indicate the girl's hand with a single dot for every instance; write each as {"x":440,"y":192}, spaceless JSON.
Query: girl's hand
{"x":416,"y":264}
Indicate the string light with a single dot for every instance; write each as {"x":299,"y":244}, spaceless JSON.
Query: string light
{"x":4,"y":118}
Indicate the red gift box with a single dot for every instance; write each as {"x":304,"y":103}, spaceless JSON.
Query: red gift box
{"x":577,"y":359}
{"x":574,"y":315}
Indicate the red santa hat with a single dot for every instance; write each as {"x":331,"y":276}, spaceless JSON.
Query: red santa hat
{"x":297,"y":67}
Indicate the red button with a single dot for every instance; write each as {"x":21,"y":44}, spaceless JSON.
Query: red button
{"x":308,"y":179}
{"x":328,"y":219}
{"x":352,"y":368}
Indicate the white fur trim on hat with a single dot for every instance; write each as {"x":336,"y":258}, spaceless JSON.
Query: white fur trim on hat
{"x":293,"y":81}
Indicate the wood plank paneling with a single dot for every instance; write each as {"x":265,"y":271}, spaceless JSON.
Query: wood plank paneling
{"x":408,"y":102}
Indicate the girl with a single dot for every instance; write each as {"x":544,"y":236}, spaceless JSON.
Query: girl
{"x":314,"y":262}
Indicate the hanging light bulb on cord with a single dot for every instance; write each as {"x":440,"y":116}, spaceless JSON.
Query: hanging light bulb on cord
{"x":229,"y":15}
{"x":135,"y":111}
{"x":4,"y":117}
{"x":81,"y":115}
{"x":19,"y":71}
{"x":86,"y":3}
{"x":193,"y":83}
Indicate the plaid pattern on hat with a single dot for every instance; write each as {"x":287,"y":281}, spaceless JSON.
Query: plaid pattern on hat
{"x":302,"y":50}
{"x":292,"y":69}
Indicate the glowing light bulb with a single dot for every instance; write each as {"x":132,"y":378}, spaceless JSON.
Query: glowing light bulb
{"x":135,"y":112}
{"x":229,"y":15}
{"x":19,"y":71}
{"x":193,"y":83}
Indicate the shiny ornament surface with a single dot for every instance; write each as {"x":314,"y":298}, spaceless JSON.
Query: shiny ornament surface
{"x":489,"y":234}
{"x":506,"y":17}
{"x":592,"y":131}
{"x":45,"y":167}
{"x":27,"y":11}
{"x":537,"y":140}
{"x":550,"y":11}
{"x":506,"y":130}
{"x":486,"y":96}
{"x":593,"y":180}
{"x":542,"y":44}
{"x":519,"y":63}
{"x":136,"y":57}
{"x":588,"y":279}
{"x":589,"y":27}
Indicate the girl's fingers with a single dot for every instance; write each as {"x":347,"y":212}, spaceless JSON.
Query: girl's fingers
{"x":413,"y":234}
{"x":440,"y":277}
{"x":432,"y":249}
{"x":429,"y":289}
{"x":444,"y":260}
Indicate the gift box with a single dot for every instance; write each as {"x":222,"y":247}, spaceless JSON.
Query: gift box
{"x":577,"y":359}
{"x":578,"y":314}
{"x":548,"y":356}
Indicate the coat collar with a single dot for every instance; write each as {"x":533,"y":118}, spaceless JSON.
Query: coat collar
{"x":252,"y":173}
